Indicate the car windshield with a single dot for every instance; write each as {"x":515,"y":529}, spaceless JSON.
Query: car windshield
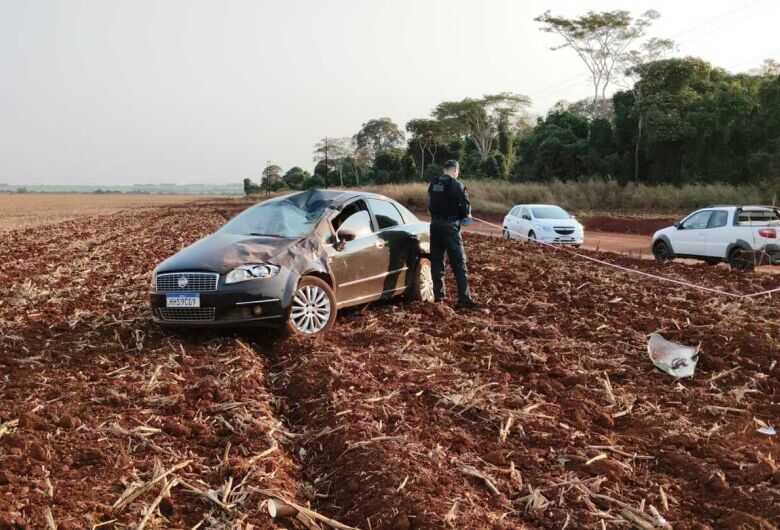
{"x":550,"y":212}
{"x":292,"y":217}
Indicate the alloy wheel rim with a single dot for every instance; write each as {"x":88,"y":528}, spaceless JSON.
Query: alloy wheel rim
{"x":311,"y":309}
{"x":426,"y":284}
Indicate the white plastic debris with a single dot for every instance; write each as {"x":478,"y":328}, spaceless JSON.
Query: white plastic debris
{"x":675,"y":359}
{"x":768,"y":430}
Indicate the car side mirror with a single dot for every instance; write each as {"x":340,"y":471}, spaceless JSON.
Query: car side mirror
{"x":342,"y":237}
{"x":527,"y":217}
{"x":678,"y":226}
{"x":345,"y":234}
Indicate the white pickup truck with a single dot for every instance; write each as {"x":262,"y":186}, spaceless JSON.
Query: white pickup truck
{"x":742,"y":236}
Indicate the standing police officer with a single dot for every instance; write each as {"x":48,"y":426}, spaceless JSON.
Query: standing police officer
{"x":449,"y":205}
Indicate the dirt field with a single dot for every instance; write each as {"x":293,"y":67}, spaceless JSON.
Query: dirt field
{"x":541,"y":411}
{"x":20,"y":210}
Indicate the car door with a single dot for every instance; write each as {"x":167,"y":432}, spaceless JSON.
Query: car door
{"x":355,"y":263}
{"x":524,"y":223}
{"x":691,"y":235}
{"x":395,"y":245}
{"x":717,"y":238}
{"x":511,"y":220}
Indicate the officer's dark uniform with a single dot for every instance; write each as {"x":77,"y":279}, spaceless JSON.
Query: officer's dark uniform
{"x":449,"y":205}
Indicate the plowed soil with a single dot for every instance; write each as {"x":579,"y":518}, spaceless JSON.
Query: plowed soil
{"x":541,"y":410}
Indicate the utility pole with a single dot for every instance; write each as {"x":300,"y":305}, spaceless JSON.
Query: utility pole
{"x":326,"y":162}
{"x":267,"y":178}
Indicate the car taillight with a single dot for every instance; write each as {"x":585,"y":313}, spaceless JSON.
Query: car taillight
{"x":769,"y":233}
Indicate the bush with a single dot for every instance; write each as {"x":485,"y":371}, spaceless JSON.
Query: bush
{"x":593,"y":195}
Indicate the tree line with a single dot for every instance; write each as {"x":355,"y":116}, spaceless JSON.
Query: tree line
{"x":672,"y":120}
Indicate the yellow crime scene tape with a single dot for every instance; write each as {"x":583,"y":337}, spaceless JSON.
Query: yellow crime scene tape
{"x":682,"y":283}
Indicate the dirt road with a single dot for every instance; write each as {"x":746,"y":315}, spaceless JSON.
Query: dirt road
{"x":630,"y":244}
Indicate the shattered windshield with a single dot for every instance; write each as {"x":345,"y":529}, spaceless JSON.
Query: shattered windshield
{"x":550,"y":212}
{"x":291,"y":217}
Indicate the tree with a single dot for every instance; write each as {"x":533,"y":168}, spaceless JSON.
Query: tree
{"x":479,"y":119}
{"x":295,"y":177}
{"x":769,"y":68}
{"x":272,"y":177}
{"x":650,"y":51}
{"x":250,"y":188}
{"x":426,"y":137}
{"x":602,"y":41}
{"x":332,"y":152}
{"x":378,"y":135}
{"x":361,"y":162}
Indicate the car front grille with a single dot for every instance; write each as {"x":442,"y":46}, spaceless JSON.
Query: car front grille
{"x":196,"y":282}
{"x":564,"y":230}
{"x":187,"y":314}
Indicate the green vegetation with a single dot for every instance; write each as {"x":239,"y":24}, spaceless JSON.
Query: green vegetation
{"x":594,"y":195}
{"x":713,"y":135}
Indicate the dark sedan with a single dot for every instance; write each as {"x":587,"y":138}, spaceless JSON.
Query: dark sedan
{"x":294,"y":261}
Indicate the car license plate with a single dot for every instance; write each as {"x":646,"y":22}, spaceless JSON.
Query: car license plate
{"x":182,"y":300}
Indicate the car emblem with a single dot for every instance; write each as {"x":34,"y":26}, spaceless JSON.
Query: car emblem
{"x":183,"y":281}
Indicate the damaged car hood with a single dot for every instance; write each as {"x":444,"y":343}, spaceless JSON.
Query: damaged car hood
{"x":222,"y":252}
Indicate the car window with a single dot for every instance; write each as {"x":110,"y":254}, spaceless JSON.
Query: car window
{"x":550,"y":212}
{"x":524,"y":213}
{"x":386,"y":214}
{"x":719,"y":218}
{"x":291,"y":217}
{"x":409,"y":217}
{"x":758,"y":216}
{"x":354,"y":217}
{"x":697,"y":221}
{"x":514,"y":212}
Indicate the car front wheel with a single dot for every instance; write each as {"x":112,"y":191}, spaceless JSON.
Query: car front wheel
{"x":662,"y":252}
{"x":313,"y":308}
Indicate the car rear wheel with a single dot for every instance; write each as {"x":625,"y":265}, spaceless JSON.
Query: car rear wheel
{"x":742,"y":260}
{"x":662,"y":252}
{"x":506,"y":234}
{"x":313,"y":308}
{"x":421,"y":288}
{"x":532,"y":237}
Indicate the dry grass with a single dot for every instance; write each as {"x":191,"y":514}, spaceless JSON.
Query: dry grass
{"x":24,"y":210}
{"x":591,"y":196}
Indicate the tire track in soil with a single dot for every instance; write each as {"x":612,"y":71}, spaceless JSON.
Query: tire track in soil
{"x":103,"y":398}
{"x":416,"y":391}
{"x":375,"y":387}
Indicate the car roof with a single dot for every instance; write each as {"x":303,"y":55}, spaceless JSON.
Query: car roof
{"x":538,"y":205}
{"x":334,"y":198}
{"x":744,"y":207}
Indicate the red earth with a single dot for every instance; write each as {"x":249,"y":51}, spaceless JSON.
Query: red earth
{"x":542,"y":410}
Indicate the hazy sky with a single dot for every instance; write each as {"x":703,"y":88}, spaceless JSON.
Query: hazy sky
{"x":139,"y":91}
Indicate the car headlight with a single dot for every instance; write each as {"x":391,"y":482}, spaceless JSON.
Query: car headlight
{"x":251,"y":272}
{"x":546,"y":228}
{"x":153,"y":284}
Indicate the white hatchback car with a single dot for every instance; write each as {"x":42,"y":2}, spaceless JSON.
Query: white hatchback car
{"x":543,"y":222}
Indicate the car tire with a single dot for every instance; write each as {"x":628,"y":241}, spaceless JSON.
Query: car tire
{"x":313,"y":308}
{"x":532,"y":237}
{"x":662,"y":251}
{"x":742,"y":260}
{"x":506,"y":235}
{"x":421,"y":283}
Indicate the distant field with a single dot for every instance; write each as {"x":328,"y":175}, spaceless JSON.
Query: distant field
{"x":31,"y":209}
